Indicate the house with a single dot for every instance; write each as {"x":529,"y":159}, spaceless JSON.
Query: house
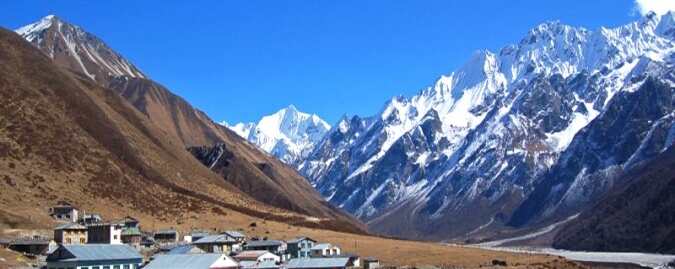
{"x":238,"y":236}
{"x":274,"y":246}
{"x":147,"y":244}
{"x":185,"y":249}
{"x":133,"y":237}
{"x":105,"y":233}
{"x":94,"y":256}
{"x":71,"y":233}
{"x":324,"y":250}
{"x":299,"y":247}
{"x":166,"y":236}
{"x":30,"y":245}
{"x":258,"y":259}
{"x":193,"y":261}
{"x":220,"y":243}
{"x":64,"y":211}
{"x":318,"y":263}
{"x":371,"y":263}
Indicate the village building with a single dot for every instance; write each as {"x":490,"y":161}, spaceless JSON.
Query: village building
{"x":258,"y":259}
{"x":238,"y":236}
{"x":94,"y":256}
{"x":324,"y":250}
{"x":147,"y":244}
{"x":371,"y":263}
{"x":105,"y":233}
{"x":256,"y":256}
{"x":274,"y":246}
{"x":220,"y":243}
{"x":132,"y":237}
{"x":71,"y":233}
{"x":166,"y":236}
{"x":193,"y":261}
{"x":299,"y":247}
{"x":318,"y":263}
{"x":64,"y":211}
{"x":30,"y":245}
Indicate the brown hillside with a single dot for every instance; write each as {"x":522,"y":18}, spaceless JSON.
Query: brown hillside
{"x":182,"y":124}
{"x":63,"y":137}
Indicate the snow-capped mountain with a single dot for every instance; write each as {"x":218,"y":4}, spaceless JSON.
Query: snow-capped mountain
{"x":288,"y":134}
{"x":71,"y":46}
{"x":459,"y":158}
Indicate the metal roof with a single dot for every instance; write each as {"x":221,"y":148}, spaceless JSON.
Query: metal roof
{"x":235,"y":234}
{"x":300,"y":239}
{"x":28,"y":241}
{"x":97,"y":252}
{"x":131,"y":231}
{"x":318,"y":263}
{"x":219,"y":238}
{"x":184,"y":250}
{"x":193,"y":261}
{"x":323,"y":246}
{"x":264,"y":243}
{"x":71,"y":226}
{"x":251,"y":254}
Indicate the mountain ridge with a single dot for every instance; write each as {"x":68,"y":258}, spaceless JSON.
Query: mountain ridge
{"x":479,"y":141}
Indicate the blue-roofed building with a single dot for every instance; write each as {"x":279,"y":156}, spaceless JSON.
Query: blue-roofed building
{"x":95,"y":256}
{"x":299,"y":247}
{"x":274,"y":246}
{"x":238,"y":236}
{"x":318,"y":263}
{"x":193,"y":261}
{"x":220,"y":243}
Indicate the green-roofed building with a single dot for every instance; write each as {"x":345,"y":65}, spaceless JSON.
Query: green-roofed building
{"x":133,"y":237}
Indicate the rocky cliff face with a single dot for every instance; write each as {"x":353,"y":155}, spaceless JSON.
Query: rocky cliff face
{"x":459,"y":158}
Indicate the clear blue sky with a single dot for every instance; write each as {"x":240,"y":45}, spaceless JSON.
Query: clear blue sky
{"x":240,"y":60}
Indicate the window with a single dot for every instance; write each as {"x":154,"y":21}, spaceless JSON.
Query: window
{"x":83,"y":240}
{"x":115,"y":237}
{"x":69,"y":240}
{"x":125,"y":266}
{"x":116,"y":267}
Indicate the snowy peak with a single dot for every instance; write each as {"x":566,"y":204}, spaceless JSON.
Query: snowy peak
{"x":73,"y":47}
{"x":287,"y":134}
{"x":487,"y":131}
